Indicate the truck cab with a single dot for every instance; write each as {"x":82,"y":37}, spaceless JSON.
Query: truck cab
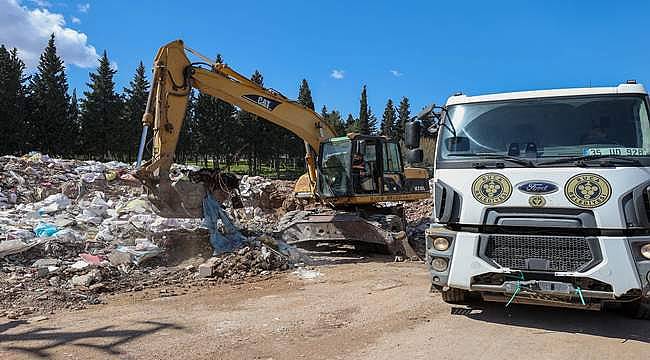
{"x":543,"y":197}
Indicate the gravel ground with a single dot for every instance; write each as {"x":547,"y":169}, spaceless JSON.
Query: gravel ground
{"x":369,"y":309}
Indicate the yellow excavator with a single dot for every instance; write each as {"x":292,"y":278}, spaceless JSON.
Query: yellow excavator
{"x":360,"y":179}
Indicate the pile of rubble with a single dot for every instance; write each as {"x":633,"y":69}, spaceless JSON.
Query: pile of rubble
{"x":72,"y":230}
{"x":265,"y":201}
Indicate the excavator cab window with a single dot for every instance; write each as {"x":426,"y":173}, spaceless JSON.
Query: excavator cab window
{"x":365,"y":166}
{"x":392,"y":162}
{"x":335,"y":177}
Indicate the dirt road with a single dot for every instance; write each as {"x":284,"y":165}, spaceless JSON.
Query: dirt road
{"x":372,"y":310}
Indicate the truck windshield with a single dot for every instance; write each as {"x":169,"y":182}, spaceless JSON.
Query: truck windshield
{"x":545,"y":128}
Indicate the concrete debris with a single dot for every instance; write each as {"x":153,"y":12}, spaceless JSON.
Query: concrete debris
{"x":252,"y":260}
{"x":71,"y":231}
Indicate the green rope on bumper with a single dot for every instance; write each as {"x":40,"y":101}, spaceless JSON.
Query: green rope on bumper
{"x":514,"y":294}
{"x":582,"y":299}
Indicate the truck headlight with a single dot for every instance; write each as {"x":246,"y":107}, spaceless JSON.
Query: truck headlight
{"x":439,"y":264}
{"x":440,"y":244}
{"x":645,"y":251}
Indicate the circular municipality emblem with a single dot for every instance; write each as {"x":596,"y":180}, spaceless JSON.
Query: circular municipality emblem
{"x":491,"y":189}
{"x":537,"y":201}
{"x":587,"y":190}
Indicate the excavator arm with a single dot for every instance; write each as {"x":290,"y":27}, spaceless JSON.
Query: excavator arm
{"x":173,"y":78}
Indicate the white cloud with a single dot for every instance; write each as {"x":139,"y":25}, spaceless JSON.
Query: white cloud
{"x":337,"y":74}
{"x":29,"y":30}
{"x":83,"y":7}
{"x":114,"y":65}
{"x":396,"y":73}
{"x":75,"y":20}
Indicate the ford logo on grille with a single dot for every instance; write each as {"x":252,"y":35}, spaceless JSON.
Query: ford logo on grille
{"x":537,"y":187}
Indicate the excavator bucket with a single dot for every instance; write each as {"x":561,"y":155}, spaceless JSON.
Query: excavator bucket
{"x":181,"y":199}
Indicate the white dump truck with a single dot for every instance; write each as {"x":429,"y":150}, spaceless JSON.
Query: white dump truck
{"x":542,"y":197}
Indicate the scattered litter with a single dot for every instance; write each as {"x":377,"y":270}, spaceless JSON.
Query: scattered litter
{"x":45,"y":229}
{"x":143,"y":250}
{"x":307,"y":274}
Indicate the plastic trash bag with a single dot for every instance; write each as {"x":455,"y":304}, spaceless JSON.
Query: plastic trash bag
{"x":143,"y":250}
{"x":229,"y":239}
{"x":54,"y":203}
{"x":45,"y":229}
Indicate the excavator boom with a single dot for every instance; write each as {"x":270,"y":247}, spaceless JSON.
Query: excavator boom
{"x":173,"y":78}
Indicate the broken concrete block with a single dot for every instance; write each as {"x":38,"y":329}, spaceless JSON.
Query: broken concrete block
{"x":86,"y":279}
{"x":207,"y":268}
{"x":118,"y":258}
{"x":79,"y":265}
{"x":46,"y":262}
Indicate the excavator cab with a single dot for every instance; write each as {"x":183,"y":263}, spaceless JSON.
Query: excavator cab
{"x":360,"y":165}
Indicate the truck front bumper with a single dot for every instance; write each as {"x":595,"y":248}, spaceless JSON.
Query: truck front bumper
{"x":619,"y":268}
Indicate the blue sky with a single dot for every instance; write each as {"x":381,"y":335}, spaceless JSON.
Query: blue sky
{"x":423,"y":50}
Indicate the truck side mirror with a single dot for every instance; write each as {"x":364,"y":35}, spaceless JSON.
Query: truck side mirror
{"x":412,"y":134}
{"x":414,"y":156}
{"x":457,"y":144}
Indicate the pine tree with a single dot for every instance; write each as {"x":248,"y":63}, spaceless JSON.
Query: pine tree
{"x":187,"y":146}
{"x":403,"y":115}
{"x":12,"y":102}
{"x":207,"y":126}
{"x":372,"y":122}
{"x":388,"y":120}
{"x":101,"y":111}
{"x":135,"y":102}
{"x":73,"y":125}
{"x":334,"y":120}
{"x":364,"y":126}
{"x":49,"y":102}
{"x":351,"y":124}
{"x":304,"y":95}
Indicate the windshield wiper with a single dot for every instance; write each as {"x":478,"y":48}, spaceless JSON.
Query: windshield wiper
{"x":513,"y":159}
{"x":584,"y":159}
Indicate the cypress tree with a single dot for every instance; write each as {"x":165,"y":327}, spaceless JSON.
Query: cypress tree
{"x":364,"y":126}
{"x":135,"y":102}
{"x":403,"y":115}
{"x":304,"y":95}
{"x":101,"y":112}
{"x":388,"y":120}
{"x":49,"y":105}
{"x":12,"y":102}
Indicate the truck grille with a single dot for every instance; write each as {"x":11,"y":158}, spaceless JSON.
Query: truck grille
{"x":542,"y":253}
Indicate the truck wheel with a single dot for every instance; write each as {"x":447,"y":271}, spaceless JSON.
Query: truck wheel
{"x":639,"y":309}
{"x":454,"y":296}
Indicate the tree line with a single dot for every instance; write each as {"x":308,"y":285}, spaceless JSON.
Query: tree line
{"x":39,"y":113}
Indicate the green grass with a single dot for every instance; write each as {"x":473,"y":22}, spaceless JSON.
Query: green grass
{"x":241,"y":168}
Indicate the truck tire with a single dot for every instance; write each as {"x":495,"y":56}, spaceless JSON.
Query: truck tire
{"x":639,"y":309}
{"x":454,"y":296}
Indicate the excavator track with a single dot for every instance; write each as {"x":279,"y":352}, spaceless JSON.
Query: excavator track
{"x":375,"y":232}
